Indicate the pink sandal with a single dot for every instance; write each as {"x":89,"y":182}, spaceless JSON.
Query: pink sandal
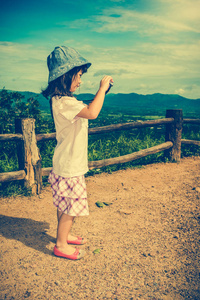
{"x":78,"y":254}
{"x":78,"y":241}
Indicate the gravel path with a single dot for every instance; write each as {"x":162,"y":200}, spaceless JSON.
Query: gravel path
{"x":147,"y":239}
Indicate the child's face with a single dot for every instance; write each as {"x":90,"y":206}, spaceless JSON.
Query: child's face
{"x":76,"y":81}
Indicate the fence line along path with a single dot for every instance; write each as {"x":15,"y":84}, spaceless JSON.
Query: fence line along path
{"x":29,"y":159}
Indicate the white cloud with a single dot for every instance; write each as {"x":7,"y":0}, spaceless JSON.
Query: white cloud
{"x":147,"y":68}
{"x":143,"y":68}
{"x":171,"y":58}
{"x":182,"y":9}
{"x":111,"y":72}
{"x":142,"y":23}
{"x":180,"y":91}
{"x":169,"y":17}
{"x":22,"y":65}
{"x":22,"y":51}
{"x":188,"y":90}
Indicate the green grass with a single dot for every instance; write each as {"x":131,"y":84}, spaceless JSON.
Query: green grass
{"x":122,"y":143}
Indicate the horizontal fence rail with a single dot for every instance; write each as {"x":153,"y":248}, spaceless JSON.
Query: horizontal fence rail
{"x":191,"y":121}
{"x":11,"y":176}
{"x":131,"y":125}
{"x":129,"y":157}
{"x":30,"y":161}
{"x":109,"y":128}
{"x":11,"y":137}
{"x":190,"y":142}
{"x":121,"y":159}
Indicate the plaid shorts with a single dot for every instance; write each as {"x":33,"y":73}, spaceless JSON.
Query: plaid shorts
{"x":69,"y":194}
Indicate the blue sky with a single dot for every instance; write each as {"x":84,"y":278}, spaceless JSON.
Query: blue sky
{"x":147,"y":46}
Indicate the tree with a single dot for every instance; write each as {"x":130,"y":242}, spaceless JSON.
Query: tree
{"x":13,"y":105}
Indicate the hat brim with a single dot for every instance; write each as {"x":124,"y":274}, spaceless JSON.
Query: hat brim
{"x":64,"y":69}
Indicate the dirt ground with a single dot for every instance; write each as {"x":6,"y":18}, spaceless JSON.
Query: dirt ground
{"x":148,"y":239}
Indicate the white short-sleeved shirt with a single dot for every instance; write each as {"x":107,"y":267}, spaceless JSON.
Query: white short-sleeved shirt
{"x":70,"y":155}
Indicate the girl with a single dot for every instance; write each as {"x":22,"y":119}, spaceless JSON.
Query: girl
{"x":66,"y":67}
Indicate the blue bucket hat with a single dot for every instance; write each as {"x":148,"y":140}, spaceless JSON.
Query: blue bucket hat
{"x":63,"y":59}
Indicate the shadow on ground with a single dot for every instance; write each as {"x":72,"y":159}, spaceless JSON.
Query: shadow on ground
{"x":31,"y":233}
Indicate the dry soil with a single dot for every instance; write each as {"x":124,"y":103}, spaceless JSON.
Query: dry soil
{"x":148,"y":239}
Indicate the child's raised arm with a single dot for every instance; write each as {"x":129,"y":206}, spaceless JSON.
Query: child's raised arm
{"x":93,"y":109}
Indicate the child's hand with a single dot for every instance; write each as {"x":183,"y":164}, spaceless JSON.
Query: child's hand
{"x":105,"y":83}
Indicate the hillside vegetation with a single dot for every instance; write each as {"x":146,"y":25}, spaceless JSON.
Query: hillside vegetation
{"x":155,"y":104}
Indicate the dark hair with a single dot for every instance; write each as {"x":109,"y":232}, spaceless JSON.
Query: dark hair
{"x":61,"y":85}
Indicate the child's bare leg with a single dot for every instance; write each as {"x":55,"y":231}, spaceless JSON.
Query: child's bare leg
{"x":59,"y":214}
{"x":69,"y":237}
{"x":64,"y":226}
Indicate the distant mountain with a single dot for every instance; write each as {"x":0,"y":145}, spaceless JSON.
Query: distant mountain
{"x":133,"y":102}
{"x":153,"y":103}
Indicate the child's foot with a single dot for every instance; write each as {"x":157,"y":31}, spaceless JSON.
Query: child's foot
{"x":76,"y":240}
{"x":72,"y":254}
{"x":66,"y":249}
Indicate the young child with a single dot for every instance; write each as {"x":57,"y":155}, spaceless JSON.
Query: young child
{"x":70,"y":162}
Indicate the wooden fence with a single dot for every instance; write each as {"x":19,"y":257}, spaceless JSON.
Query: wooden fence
{"x":29,"y":159}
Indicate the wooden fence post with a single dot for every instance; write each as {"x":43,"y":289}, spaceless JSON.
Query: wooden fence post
{"x":174,"y":133}
{"x":28,"y":154}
